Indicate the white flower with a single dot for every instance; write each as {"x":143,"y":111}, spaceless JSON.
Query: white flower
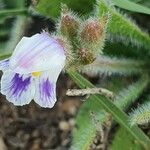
{"x":32,"y":71}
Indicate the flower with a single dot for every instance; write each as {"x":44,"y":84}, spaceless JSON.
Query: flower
{"x":32,"y":71}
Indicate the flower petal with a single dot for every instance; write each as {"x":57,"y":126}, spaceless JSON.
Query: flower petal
{"x":4,"y":64}
{"x":37,"y":53}
{"x":19,"y":89}
{"x":45,"y":94}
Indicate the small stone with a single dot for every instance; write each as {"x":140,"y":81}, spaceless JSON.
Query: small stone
{"x":65,"y":142}
{"x":2,"y":144}
{"x":26,"y":137}
{"x":95,"y":141}
{"x":36,"y":145}
{"x":63,"y":125}
{"x":71,"y":122}
{"x":47,"y":143}
{"x":70,"y":106}
{"x":35,"y":133}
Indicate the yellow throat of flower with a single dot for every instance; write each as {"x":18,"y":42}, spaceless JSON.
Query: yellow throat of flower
{"x":36,"y":74}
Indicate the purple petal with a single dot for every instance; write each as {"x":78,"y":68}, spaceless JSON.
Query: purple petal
{"x":19,"y":89}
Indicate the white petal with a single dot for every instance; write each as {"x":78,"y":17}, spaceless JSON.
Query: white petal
{"x":4,"y":64}
{"x":19,"y":89}
{"x":45,"y":94}
{"x":37,"y":53}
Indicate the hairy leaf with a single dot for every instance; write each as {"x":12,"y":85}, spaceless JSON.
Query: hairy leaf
{"x":128,"y":5}
{"x":141,"y":115}
{"x":3,"y":32}
{"x":12,"y":12}
{"x":123,"y":29}
{"x":116,"y":112}
{"x":109,"y":66}
{"x":130,"y":94}
{"x":86,"y":129}
{"x":17,"y":32}
{"x":123,"y":139}
{"x":118,"y":49}
{"x":52,"y":9}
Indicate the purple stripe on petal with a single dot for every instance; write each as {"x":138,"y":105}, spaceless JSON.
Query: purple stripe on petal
{"x":45,"y":94}
{"x":46,"y":89}
{"x":19,"y":84}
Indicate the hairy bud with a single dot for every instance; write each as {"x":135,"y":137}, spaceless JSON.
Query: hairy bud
{"x":92,"y":34}
{"x":85,"y":56}
{"x":69,"y":23}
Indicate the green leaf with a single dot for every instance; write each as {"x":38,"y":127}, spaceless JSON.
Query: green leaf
{"x":128,"y":5}
{"x":127,"y":96}
{"x":123,"y":29}
{"x":15,"y":3}
{"x":135,"y":1}
{"x":120,"y":50}
{"x":16,"y":34}
{"x":52,"y":9}
{"x":123,"y":139}
{"x":112,"y":65}
{"x":4,"y":56}
{"x":86,"y":130}
{"x":3,"y":32}
{"x":141,"y":115}
{"x":116,"y":112}
{"x":12,"y":12}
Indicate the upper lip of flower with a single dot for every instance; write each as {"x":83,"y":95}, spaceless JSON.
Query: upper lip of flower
{"x":38,"y":54}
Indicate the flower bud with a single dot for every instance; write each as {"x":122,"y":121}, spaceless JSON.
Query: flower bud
{"x":92,"y":31}
{"x":69,"y":23}
{"x":92,"y":34}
